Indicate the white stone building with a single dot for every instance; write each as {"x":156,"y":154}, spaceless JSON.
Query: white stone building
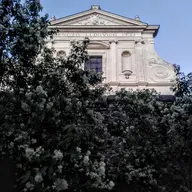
{"x":121,"y":47}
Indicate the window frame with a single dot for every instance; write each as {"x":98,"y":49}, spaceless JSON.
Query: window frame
{"x":97,"y":57}
{"x":104,"y":54}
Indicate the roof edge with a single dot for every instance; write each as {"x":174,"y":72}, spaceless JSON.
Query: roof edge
{"x":97,"y":9}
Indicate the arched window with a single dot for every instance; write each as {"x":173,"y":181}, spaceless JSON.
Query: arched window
{"x":61,"y":53}
{"x":126,"y":61}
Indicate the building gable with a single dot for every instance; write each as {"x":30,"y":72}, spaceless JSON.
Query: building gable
{"x":97,"y":17}
{"x":122,"y":48}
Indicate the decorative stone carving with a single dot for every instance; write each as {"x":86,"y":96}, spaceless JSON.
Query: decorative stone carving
{"x":61,"y":53}
{"x":95,"y":19}
{"x":159,"y":68}
{"x":127,"y":73}
{"x":53,"y":18}
{"x":95,"y":7}
{"x":156,"y":61}
{"x":137,"y":18}
{"x":160,"y":72}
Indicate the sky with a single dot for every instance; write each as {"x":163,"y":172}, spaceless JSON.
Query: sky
{"x":174,"y":40}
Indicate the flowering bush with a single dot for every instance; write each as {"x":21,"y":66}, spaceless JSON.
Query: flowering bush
{"x":65,"y":134}
{"x":49,"y":120}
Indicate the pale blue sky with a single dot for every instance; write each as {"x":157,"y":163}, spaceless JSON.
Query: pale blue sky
{"x":174,"y":40}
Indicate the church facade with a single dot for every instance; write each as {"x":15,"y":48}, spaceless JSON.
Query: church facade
{"x":120,"y":47}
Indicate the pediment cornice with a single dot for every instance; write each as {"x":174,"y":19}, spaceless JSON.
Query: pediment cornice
{"x":99,"y":15}
{"x":98,"y":19}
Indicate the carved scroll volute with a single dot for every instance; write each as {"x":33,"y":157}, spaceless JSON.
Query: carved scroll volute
{"x":160,"y":70}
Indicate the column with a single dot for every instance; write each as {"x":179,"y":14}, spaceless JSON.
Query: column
{"x":140,"y":62}
{"x":113,"y":65}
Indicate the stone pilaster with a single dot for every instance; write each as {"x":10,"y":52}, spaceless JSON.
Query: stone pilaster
{"x":140,"y":62}
{"x":113,"y":65}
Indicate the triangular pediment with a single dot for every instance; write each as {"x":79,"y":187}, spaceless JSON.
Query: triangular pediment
{"x":96,"y":17}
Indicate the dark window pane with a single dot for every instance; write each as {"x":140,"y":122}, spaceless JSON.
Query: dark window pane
{"x":94,"y":63}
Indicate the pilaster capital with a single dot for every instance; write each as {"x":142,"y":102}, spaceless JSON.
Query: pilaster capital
{"x":139,"y":42}
{"x":113,"y":41}
{"x":151,"y":41}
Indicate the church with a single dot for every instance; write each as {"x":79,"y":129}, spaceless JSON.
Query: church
{"x":122,"y":48}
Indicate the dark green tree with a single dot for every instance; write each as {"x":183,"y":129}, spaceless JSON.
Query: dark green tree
{"x":22,"y":36}
{"x":46,"y":106}
{"x":62,"y":131}
{"x":184,"y":83}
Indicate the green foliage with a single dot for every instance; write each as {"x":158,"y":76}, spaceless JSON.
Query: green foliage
{"x":151,"y":141}
{"x":66,"y":134}
{"x":22,"y":36}
{"x":184,"y":83}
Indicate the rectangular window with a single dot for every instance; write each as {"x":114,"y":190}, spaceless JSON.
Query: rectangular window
{"x":94,"y":63}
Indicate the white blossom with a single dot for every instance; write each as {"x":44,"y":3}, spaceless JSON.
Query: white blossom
{"x":78,"y":149}
{"x":58,"y":155}
{"x":40,"y":90}
{"x":6,"y":116}
{"x":111,"y":184}
{"x":93,"y":175}
{"x":29,"y":95}
{"x":39,"y":149}
{"x":88,"y":153}
{"x":41,"y":106}
{"x":76,"y":165}
{"x":79,"y":104}
{"x":49,"y":105}
{"x":61,"y":184}
{"x":33,"y":141}
{"x":38,"y":178}
{"x":102,"y":170}
{"x":19,"y":165}
{"x":29,"y":186}
{"x":22,"y":125}
{"x":25,"y":107}
{"x":29,"y":152}
{"x":86,"y":160}
{"x":11,"y":144}
{"x":43,"y":101}
{"x":60,"y":167}
{"x":102,"y":164}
